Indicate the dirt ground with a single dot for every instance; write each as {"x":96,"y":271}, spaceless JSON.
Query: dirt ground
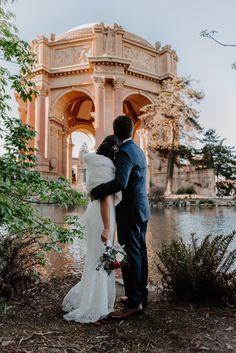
{"x":37,"y":325}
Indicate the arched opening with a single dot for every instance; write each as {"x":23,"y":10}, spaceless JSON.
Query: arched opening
{"x":79,"y":113}
{"x":78,"y":167}
{"x":131,"y":107}
{"x":73,"y":103}
{"x":75,"y":110}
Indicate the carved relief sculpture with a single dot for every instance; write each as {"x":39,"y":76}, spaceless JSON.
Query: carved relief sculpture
{"x":72,"y":55}
{"x":140,"y":59}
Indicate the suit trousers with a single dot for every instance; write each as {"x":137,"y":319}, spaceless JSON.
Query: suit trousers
{"x":135,"y":274}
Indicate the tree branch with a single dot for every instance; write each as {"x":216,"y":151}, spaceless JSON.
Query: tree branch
{"x":211,"y":34}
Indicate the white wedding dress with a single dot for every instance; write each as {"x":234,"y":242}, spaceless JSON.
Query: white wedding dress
{"x":94,"y":296}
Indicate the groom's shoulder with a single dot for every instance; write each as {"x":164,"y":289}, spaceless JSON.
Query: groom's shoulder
{"x":131,"y":148}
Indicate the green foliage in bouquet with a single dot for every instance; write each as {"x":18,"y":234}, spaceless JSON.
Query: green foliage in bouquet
{"x":200,"y":270}
{"x":112,"y":258}
{"x":25,"y":234}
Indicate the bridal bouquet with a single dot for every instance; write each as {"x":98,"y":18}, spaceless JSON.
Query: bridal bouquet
{"x":113,"y":257}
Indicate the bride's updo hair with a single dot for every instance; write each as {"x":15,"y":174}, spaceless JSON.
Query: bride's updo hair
{"x":109,"y":147}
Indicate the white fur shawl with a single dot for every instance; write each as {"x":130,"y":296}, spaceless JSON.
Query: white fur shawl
{"x":99,"y":169}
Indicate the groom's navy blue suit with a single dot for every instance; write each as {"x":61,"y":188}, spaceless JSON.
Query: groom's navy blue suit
{"x":132,"y":214}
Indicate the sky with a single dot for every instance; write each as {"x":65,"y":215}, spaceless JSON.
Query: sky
{"x":173,"y":22}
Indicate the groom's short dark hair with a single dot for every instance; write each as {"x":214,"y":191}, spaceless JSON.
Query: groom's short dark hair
{"x":123,"y":127}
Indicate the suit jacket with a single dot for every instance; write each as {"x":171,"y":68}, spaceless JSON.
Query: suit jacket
{"x":130,"y":178}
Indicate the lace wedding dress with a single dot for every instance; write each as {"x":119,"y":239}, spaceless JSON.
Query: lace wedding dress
{"x":94,"y":296}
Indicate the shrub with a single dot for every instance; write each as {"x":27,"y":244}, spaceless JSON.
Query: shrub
{"x":157,"y":193}
{"x":151,"y":184}
{"x":19,"y":259}
{"x":186,"y":190}
{"x":199,"y":271}
{"x":206,"y":202}
{"x":22,"y":254}
{"x":192,"y":202}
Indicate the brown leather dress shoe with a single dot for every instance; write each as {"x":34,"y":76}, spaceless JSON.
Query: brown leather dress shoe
{"x":127,"y":313}
{"x":124,"y":300}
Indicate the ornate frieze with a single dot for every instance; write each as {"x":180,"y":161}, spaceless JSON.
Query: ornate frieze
{"x":72,"y":55}
{"x":140,"y":59}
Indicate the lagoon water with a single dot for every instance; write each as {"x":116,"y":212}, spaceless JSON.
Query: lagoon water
{"x":164,"y":225}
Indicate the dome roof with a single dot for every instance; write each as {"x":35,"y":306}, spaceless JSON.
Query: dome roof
{"x":88,"y":28}
{"x":84,"y":26}
{"x":81,"y":30}
{"x":138,"y":39}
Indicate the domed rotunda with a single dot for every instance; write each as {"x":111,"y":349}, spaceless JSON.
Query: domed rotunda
{"x":85,"y":78}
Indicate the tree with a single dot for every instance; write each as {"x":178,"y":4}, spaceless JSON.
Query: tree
{"x":214,"y":154}
{"x":172,"y":123}
{"x":24,"y":233}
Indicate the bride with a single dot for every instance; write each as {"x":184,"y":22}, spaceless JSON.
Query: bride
{"x":93,"y":297}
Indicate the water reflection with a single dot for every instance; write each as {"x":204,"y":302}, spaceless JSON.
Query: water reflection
{"x":164,"y":225}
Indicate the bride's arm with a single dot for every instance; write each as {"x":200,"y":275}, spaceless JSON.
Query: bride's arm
{"x":105,"y":213}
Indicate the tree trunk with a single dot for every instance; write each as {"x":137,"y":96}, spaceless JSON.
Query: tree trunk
{"x":170,"y":172}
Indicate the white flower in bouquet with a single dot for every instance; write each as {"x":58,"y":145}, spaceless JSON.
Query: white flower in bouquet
{"x":119,"y":257}
{"x":113,"y":257}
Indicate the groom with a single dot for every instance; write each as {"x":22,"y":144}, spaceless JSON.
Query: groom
{"x":131,"y":215}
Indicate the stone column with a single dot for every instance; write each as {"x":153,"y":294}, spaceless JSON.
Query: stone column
{"x":65,"y":154}
{"x":41,"y":123}
{"x":99,"y":82}
{"x":32,"y":112}
{"x":70,"y":149}
{"x":118,"y":83}
{"x":30,"y":118}
{"x":28,"y":115}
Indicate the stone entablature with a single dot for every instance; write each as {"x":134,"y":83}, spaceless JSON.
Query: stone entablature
{"x":76,"y":46}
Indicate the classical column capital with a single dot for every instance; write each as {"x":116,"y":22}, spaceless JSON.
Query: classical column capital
{"x":118,"y":82}
{"x":42,"y":91}
{"x":99,"y":81}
